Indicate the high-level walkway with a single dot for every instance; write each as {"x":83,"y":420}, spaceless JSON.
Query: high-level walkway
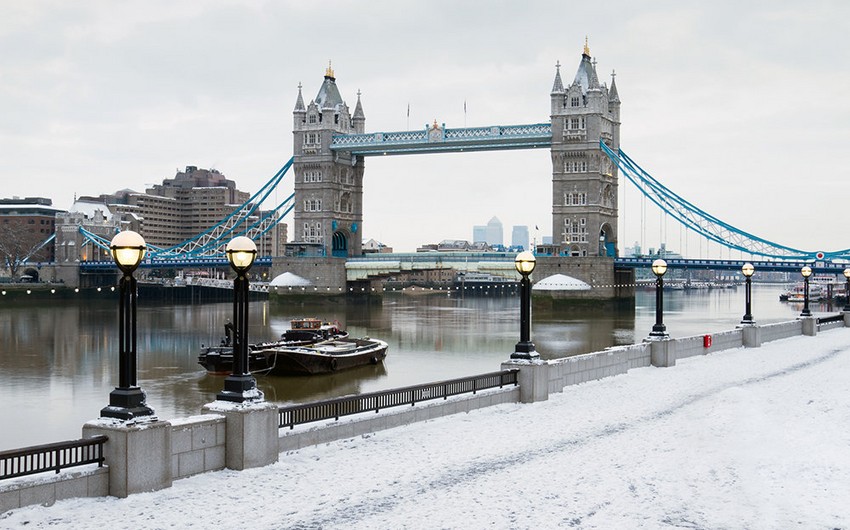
{"x":744,"y":438}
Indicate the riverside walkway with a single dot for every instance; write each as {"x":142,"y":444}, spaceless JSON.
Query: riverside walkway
{"x":741,"y":438}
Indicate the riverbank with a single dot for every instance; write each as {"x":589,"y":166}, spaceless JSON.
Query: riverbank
{"x":718,"y":441}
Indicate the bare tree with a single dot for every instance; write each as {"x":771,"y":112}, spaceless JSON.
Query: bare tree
{"x":15,"y":245}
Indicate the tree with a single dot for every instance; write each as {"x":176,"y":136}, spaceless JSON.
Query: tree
{"x":16,"y":244}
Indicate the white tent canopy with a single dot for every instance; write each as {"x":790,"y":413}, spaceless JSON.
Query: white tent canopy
{"x":288,"y":279}
{"x":561,"y":282}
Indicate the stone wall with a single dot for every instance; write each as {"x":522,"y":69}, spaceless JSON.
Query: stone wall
{"x":370,"y":422}
{"x":49,"y":487}
{"x":197,"y":445}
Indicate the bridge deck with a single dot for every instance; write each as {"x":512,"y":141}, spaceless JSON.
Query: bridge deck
{"x":443,"y":140}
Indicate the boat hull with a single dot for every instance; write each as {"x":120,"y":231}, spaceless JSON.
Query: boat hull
{"x":325,"y":358}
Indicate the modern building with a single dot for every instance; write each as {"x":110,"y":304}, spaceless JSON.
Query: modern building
{"x":584,"y":181}
{"x":479,"y":234}
{"x":519,"y":237}
{"x":183,"y":207}
{"x":25,"y":226}
{"x":329,"y":184}
{"x":495,"y":233}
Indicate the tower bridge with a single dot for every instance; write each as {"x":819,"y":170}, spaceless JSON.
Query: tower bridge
{"x":330,"y":145}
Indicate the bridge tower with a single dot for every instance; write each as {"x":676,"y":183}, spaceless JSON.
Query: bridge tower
{"x":584,"y":181}
{"x":328,"y":184}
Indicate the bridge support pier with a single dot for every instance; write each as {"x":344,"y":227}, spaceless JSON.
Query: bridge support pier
{"x":533,"y":379}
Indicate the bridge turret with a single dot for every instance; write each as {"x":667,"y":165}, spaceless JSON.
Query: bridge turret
{"x":299,"y":114}
{"x":584,"y":182}
{"x":328,"y":185}
{"x":359,"y":119}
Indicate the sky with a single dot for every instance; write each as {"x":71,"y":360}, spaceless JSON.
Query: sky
{"x":745,"y":438}
{"x":739,"y":107}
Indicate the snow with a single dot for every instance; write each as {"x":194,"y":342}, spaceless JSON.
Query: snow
{"x":746,"y":438}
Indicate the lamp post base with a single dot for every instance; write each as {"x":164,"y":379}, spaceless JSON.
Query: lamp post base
{"x":126,"y":404}
{"x":239,"y":389}
{"x":748,"y":321}
{"x":659,"y":331}
{"x":525,"y":350}
{"x":806,"y":313}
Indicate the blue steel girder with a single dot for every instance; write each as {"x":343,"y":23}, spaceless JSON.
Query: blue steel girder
{"x":442,"y":140}
{"x":826,"y":267}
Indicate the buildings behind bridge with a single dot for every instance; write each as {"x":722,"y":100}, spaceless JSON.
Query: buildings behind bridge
{"x":166,"y":215}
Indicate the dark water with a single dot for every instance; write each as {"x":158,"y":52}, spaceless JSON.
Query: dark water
{"x":58,"y":362}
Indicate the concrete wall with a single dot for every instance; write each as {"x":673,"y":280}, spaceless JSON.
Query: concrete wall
{"x":369,"y":422}
{"x":781,"y":330}
{"x":197,"y":445}
{"x":591,"y":366}
{"x":49,"y":487}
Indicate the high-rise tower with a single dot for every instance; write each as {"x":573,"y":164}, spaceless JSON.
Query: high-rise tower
{"x":584,"y":181}
{"x":328,"y":185}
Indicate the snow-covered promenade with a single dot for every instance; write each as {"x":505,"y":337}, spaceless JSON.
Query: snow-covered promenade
{"x":745,"y":438}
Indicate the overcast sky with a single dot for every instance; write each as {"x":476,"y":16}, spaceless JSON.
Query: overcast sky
{"x":740,"y":107}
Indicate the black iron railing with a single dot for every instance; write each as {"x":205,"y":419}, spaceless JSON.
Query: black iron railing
{"x":293,"y":415}
{"x":51,"y":457}
{"x":832,"y":318}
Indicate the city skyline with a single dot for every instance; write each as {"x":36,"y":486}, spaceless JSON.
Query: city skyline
{"x":735,"y":107}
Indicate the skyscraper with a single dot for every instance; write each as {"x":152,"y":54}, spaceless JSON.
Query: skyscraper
{"x":519,"y":237}
{"x":495,"y":235}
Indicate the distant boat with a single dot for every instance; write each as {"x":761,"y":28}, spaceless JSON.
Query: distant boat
{"x":325,"y":357}
{"x":302,"y":332}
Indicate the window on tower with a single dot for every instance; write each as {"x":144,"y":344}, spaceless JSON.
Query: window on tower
{"x":574,"y":101}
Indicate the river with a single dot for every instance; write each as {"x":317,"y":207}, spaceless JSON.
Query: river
{"x":60,"y":361}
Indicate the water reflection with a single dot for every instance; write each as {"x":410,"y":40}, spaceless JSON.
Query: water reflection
{"x":59,"y":361}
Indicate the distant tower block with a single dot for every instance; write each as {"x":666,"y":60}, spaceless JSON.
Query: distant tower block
{"x":584,"y":181}
{"x":328,"y":185}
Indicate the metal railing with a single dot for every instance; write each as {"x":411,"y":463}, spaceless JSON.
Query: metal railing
{"x":293,"y":415}
{"x":52,"y":457}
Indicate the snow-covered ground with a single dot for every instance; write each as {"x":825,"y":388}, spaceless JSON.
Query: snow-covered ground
{"x":746,"y":438}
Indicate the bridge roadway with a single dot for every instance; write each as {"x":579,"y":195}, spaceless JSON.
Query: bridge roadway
{"x":496,"y":263}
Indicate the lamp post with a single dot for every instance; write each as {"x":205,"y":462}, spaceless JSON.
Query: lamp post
{"x":806,"y":271}
{"x":748,"y":271}
{"x":524,"y":263}
{"x":847,"y":290}
{"x":240,"y":386}
{"x":659,"y":267}
{"x":127,"y":401}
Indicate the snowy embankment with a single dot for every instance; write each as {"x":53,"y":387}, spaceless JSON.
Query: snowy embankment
{"x":744,"y":438}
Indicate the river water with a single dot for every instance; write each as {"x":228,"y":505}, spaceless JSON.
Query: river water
{"x":59,"y":361}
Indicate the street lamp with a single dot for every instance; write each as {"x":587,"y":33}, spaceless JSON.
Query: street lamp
{"x":127,"y":401}
{"x":847,"y":291}
{"x":524,"y":263}
{"x":240,"y":386}
{"x":806,"y":271}
{"x":659,"y":267}
{"x":748,"y":271}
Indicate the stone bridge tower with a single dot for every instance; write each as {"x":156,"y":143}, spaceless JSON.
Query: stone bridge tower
{"x":584,"y":181}
{"x":328,"y":185}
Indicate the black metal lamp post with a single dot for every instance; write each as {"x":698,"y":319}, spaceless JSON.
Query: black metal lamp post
{"x":748,"y":271}
{"x":525,"y":262}
{"x":806,"y":272}
{"x":127,"y":401}
{"x":240,"y":386}
{"x":847,"y":290}
{"x":659,"y":267}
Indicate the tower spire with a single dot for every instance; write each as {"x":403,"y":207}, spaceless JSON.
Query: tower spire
{"x":329,"y":72}
{"x":299,"y":103}
{"x":558,"y":86}
{"x":586,"y":47}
